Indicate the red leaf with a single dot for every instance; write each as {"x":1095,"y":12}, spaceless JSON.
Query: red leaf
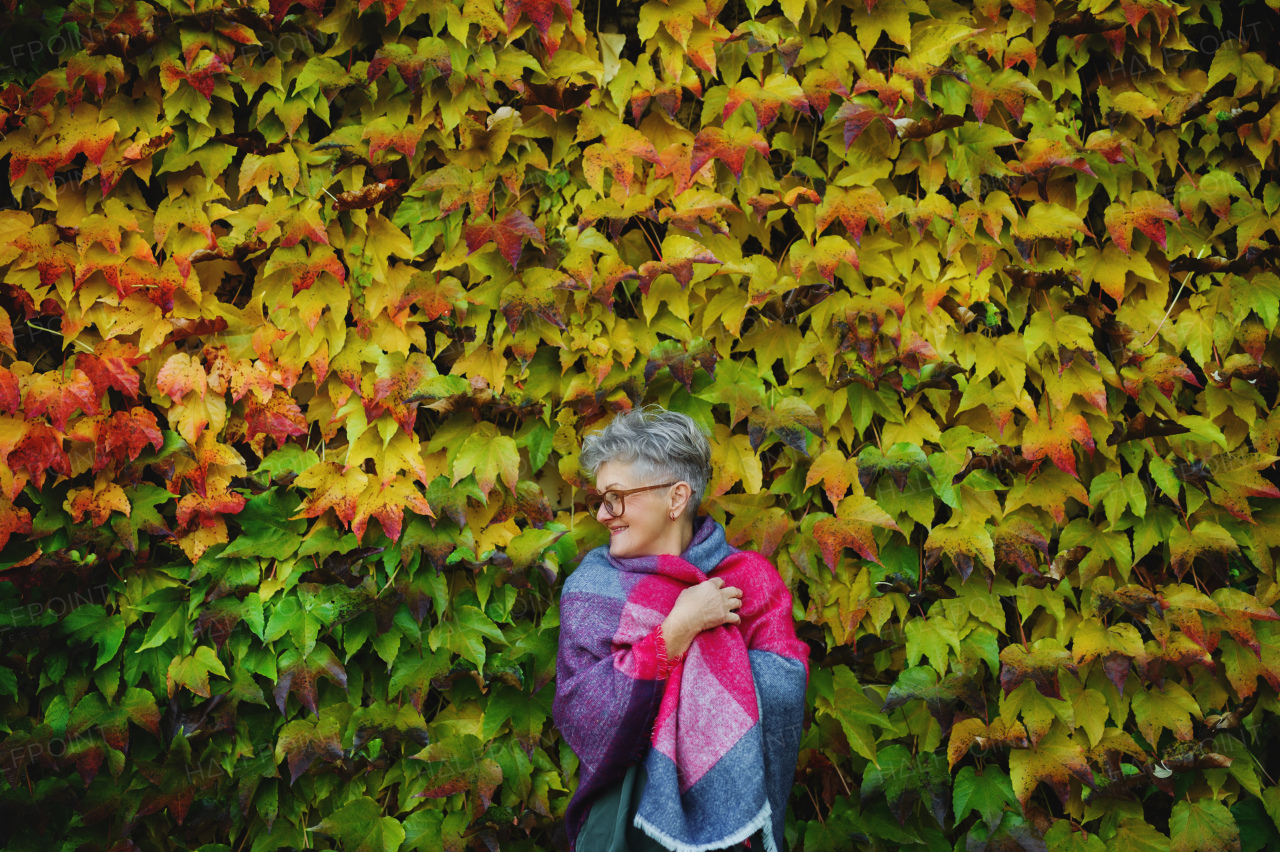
{"x":857,"y":118}
{"x":280,"y":417}
{"x":509,"y":232}
{"x":123,"y":435}
{"x":392,"y":8}
{"x":852,"y":528}
{"x":60,"y":397}
{"x":298,"y":675}
{"x":767,"y":100}
{"x":43,"y":248}
{"x":279,"y":8}
{"x":10,"y":393}
{"x":111,"y":366}
{"x":435,"y":297}
{"x":40,"y":451}
{"x":540,"y":13}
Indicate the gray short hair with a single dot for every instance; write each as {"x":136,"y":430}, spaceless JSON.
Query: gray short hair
{"x":660,"y":443}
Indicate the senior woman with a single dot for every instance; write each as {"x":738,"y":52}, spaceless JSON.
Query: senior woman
{"x":680,"y":681}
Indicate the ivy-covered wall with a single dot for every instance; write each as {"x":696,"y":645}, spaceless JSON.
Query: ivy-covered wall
{"x":306,"y":307}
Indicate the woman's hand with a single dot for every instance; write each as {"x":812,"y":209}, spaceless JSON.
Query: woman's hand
{"x":701,"y":607}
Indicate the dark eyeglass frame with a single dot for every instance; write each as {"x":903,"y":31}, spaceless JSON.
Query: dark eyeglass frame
{"x":595,"y":499}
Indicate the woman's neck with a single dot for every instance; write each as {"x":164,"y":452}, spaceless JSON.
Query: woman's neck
{"x":675,"y":539}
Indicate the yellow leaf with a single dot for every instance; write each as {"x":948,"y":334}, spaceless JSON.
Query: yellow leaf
{"x":195,"y":542}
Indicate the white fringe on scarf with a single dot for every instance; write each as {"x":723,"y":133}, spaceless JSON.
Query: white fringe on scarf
{"x":762,"y":822}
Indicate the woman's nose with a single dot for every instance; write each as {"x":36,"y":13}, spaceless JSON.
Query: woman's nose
{"x":602,"y":514}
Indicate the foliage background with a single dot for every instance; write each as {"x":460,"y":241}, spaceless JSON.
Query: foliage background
{"x":307,"y":305}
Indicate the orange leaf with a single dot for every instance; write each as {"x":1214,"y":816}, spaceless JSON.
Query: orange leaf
{"x":1039,"y":157}
{"x":13,"y":519}
{"x":1147,"y":211}
{"x":10,"y":391}
{"x":615,"y":153}
{"x":180,"y":374}
{"x":767,"y":100}
{"x":279,"y":417}
{"x":825,"y":255}
{"x":208,"y":509}
{"x":208,"y":458}
{"x":1052,"y":437}
{"x":715,"y":143}
{"x":332,"y":487}
{"x":302,"y":269}
{"x":852,"y":207}
{"x":387,"y":502}
{"x":765,"y":529}
{"x":834,"y":471}
{"x":97,"y":502}
{"x":852,"y":527}
{"x":368,"y":196}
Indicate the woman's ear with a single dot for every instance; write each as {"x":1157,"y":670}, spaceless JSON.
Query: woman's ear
{"x":680,"y":496}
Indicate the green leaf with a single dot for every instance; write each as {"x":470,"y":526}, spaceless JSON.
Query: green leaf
{"x":193,"y":671}
{"x":90,"y":623}
{"x":464,"y":634}
{"x":266,"y":528}
{"x":1257,"y":830}
{"x":905,"y":779}
{"x":1203,"y":825}
{"x":489,"y":456}
{"x":988,"y":793}
{"x":857,"y":713}
{"x":290,"y":458}
{"x":525,"y":713}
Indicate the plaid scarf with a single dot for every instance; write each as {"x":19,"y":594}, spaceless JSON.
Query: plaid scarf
{"x":721,"y":731}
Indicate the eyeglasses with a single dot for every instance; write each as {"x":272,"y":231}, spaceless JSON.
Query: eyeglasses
{"x":614,"y":501}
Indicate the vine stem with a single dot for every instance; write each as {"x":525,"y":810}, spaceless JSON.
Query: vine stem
{"x":1026,"y":647}
{"x":840,"y":775}
{"x":1176,"y":296}
{"x":816,"y":810}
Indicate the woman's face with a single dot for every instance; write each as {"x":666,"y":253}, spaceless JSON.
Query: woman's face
{"x":646,"y":527}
